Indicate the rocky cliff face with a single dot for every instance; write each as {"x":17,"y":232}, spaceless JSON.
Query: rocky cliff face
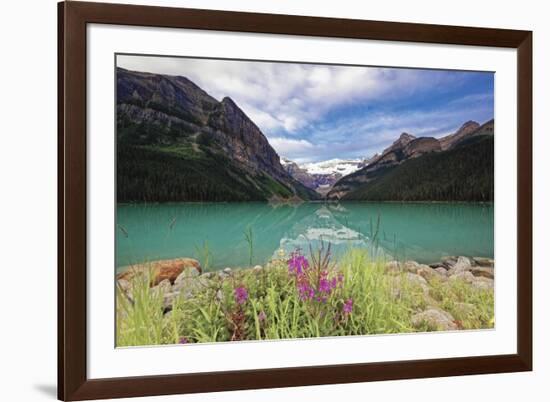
{"x":465,"y":130}
{"x":167,"y":114}
{"x":242,"y":139}
{"x":405,"y":148}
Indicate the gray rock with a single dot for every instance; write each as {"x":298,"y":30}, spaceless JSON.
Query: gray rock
{"x":164,"y":286}
{"x":411,"y":266}
{"x":442,"y":271}
{"x":124,"y":285}
{"x":435,"y":319}
{"x":225,"y":273}
{"x":417,"y":280}
{"x":486,"y":272}
{"x":462,"y":264}
{"x":429,"y":273}
{"x":465,"y":276}
{"x":484,"y":262}
{"x":449,"y":261}
{"x":219,"y":295}
{"x":187,"y":274}
{"x":189,"y":286}
{"x":169,"y":299}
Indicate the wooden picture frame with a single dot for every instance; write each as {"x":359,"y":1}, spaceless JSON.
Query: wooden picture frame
{"x":73,"y":17}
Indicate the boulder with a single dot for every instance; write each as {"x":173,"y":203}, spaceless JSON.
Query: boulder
{"x":124,"y":285}
{"x":486,"y":272}
{"x":411,"y":266}
{"x":484,"y":262}
{"x":225,"y":273}
{"x":429,"y":273}
{"x":162,"y":269}
{"x":164,"y":286}
{"x":465,"y":276}
{"x":188,"y":286}
{"x":462,"y":264}
{"x":169,"y":299}
{"x":441,"y":271}
{"x":417,"y":280}
{"x":435,"y":319}
{"x":449,"y":261}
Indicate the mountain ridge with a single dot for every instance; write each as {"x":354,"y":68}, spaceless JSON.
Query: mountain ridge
{"x":406,"y":148}
{"x":212,"y":150}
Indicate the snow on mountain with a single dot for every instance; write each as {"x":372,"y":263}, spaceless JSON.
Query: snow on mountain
{"x":333,"y":166}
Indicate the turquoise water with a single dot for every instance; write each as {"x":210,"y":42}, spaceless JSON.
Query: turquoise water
{"x":419,"y":231}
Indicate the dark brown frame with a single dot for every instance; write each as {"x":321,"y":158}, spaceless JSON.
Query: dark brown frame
{"x":73,"y":383}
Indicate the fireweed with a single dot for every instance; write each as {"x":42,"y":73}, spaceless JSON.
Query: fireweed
{"x":295,"y":296}
{"x":318,"y":282}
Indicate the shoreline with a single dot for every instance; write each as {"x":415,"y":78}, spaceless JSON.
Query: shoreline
{"x":456,"y":293}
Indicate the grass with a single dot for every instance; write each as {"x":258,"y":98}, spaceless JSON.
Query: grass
{"x":249,"y":239}
{"x":364,"y":300}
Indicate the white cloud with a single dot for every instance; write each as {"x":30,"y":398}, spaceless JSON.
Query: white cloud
{"x":291,"y":146}
{"x":282,"y":96}
{"x":290,"y":102}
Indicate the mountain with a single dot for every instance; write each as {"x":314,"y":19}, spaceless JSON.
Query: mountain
{"x":464,"y":131}
{"x":320,"y":176}
{"x":177,"y":143}
{"x":458,"y":167}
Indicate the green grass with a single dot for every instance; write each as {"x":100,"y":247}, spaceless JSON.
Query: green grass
{"x":382,"y":304}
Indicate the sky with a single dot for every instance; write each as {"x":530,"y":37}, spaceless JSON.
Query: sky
{"x":314,"y":112}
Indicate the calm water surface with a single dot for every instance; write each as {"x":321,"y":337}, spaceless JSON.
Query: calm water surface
{"x":420,"y":231}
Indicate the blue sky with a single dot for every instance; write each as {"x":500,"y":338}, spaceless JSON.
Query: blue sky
{"x":313,"y":112}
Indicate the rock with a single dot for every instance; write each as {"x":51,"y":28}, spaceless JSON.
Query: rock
{"x":257,"y":268}
{"x":428,"y":273}
{"x":189,"y":286}
{"x":225,"y":273}
{"x":465,"y":276}
{"x":435,"y":319}
{"x":185,"y":275}
{"x":462,"y":264}
{"x":418,"y":281}
{"x":441,"y":270}
{"x":436,"y":265}
{"x":449,"y":261}
{"x":162,"y":269}
{"x":480,"y":282}
{"x":484,"y":262}
{"x":169,"y":299}
{"x":483,"y":271}
{"x":411,"y":266}
{"x":124,"y":285}
{"x":393,"y":267}
{"x":219,"y":295}
{"x":164,"y":287}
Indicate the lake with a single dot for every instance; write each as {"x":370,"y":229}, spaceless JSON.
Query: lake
{"x":423,"y":232}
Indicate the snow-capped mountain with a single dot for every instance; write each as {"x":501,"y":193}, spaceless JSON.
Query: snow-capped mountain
{"x":320,"y":176}
{"x":333,"y":166}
